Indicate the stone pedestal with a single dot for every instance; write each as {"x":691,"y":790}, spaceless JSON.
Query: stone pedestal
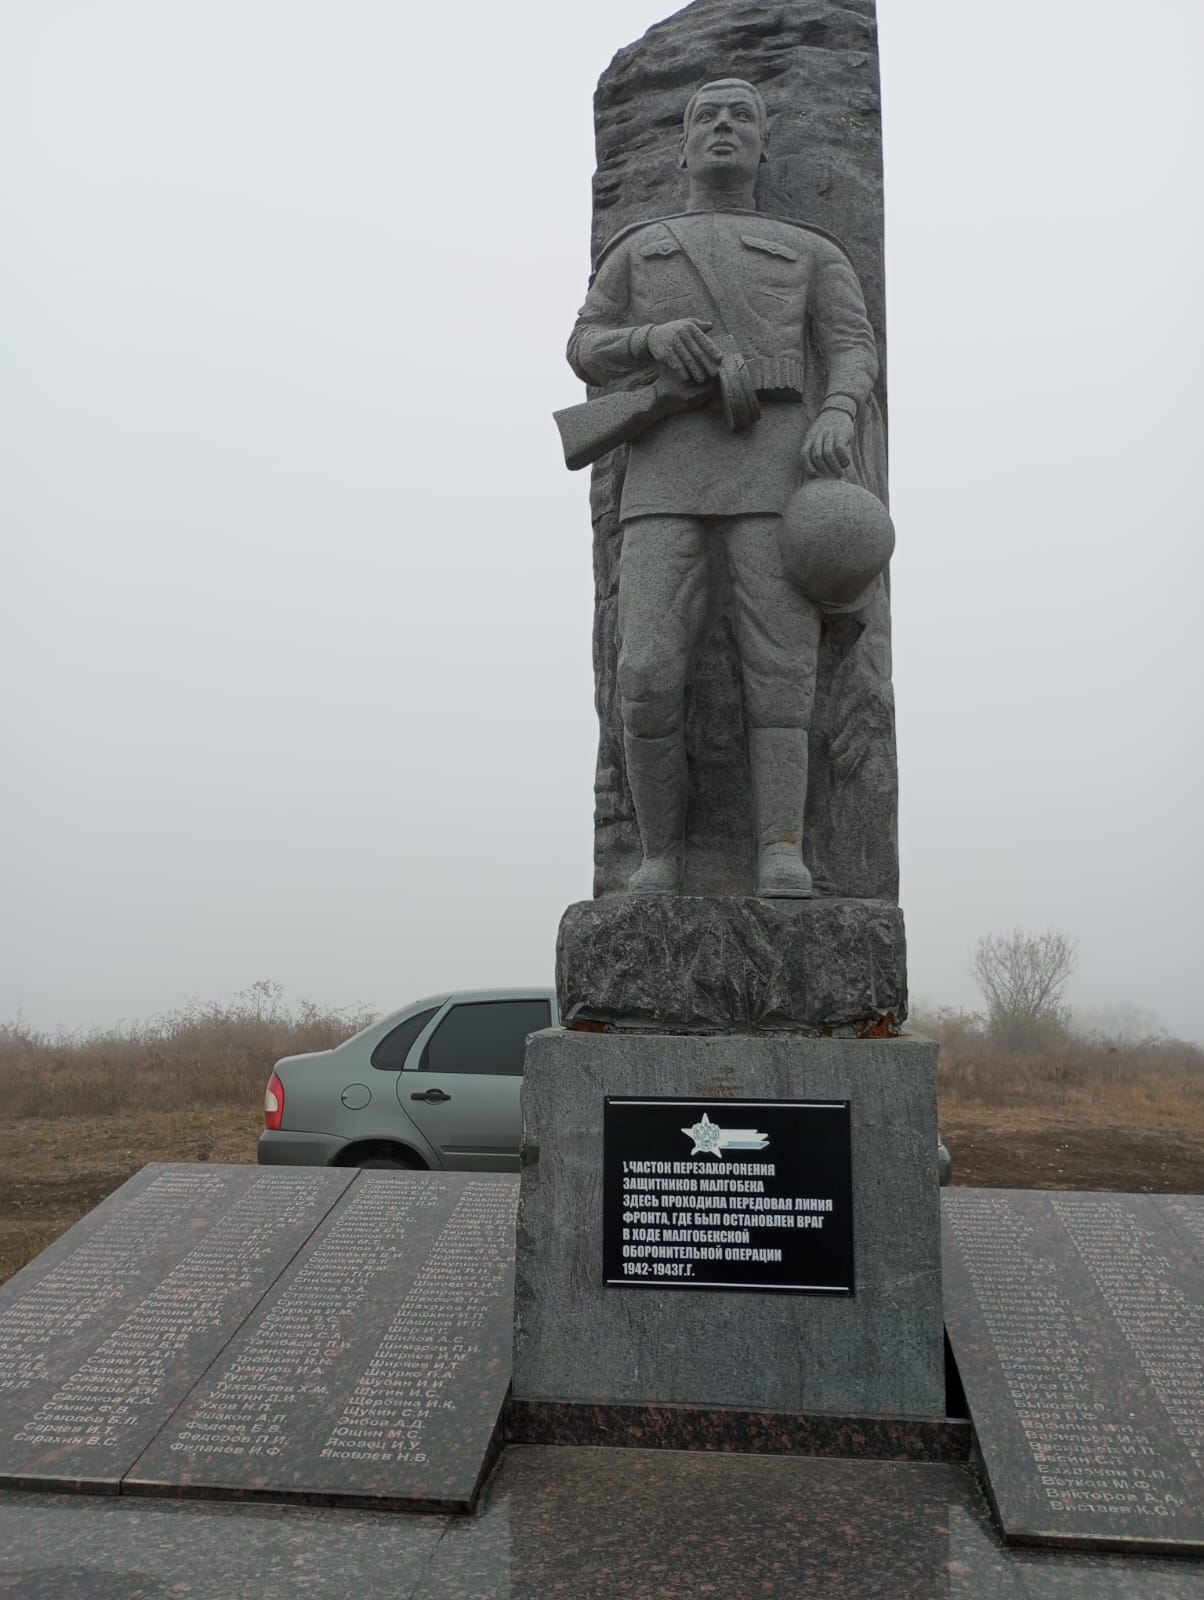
{"x":878,"y":1352}
{"x":709,"y":963}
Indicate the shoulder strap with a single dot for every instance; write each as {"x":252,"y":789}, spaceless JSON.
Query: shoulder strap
{"x":763,"y":216}
{"x":706,"y":277}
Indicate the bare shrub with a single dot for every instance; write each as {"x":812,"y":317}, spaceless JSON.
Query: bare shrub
{"x":1156,"y":1080}
{"x":1023,"y":977}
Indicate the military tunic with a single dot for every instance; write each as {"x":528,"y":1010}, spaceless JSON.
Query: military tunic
{"x":788,"y":298}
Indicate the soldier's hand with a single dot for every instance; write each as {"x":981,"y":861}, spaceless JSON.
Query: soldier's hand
{"x":828,"y":447}
{"x":683,"y":349}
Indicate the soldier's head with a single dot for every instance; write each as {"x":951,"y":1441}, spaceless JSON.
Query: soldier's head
{"x":725,"y":135}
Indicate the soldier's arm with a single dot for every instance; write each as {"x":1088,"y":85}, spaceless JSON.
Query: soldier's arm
{"x":843,"y":332}
{"x":604,"y":345}
{"x":607,"y":345}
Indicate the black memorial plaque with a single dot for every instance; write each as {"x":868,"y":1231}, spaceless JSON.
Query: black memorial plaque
{"x":375,"y":1372}
{"x":106,"y":1331}
{"x":1077,"y":1321}
{"x":728,"y":1194}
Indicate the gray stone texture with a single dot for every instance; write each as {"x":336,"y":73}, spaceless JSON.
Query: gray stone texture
{"x":707,"y":964}
{"x":816,"y":64}
{"x":1094,"y":1303}
{"x":879,"y":1352}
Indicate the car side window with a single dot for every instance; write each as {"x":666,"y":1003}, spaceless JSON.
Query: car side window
{"x":390,"y":1054}
{"x":485,"y":1036}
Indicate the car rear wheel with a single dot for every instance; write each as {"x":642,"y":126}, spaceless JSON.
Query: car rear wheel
{"x":388,"y":1164}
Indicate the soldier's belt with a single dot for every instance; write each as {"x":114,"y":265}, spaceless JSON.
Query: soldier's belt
{"x":588,"y":431}
{"x":777,"y":377}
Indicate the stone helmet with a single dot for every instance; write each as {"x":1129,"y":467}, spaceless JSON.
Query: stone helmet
{"x":837,"y":539}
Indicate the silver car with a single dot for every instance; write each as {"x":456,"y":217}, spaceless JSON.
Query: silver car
{"x":435,"y":1085}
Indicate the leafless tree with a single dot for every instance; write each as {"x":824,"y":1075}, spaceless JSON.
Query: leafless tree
{"x":1023,"y":977}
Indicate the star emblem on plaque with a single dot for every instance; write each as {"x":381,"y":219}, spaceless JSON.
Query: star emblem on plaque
{"x":712,"y":1140}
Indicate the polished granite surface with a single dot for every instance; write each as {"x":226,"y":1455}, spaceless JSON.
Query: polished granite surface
{"x":375,"y":1372}
{"x":67,"y":1547}
{"x":768,"y":1433}
{"x":590,"y":1524}
{"x":1077,"y":1321}
{"x":266,"y":1333}
{"x":104,"y":1333}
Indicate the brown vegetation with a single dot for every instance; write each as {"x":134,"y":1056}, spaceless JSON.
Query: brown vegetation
{"x":1072,"y":1113}
{"x":83,"y":1113}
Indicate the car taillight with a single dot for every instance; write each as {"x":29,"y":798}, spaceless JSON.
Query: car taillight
{"x":273,"y":1104}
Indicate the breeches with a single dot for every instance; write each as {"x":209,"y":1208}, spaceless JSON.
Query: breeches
{"x":663,"y":603}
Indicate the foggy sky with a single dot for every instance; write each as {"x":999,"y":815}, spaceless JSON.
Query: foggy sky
{"x":296,"y":621}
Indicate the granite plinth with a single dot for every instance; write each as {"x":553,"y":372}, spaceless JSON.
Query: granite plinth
{"x":703,"y":964}
{"x":375,"y":1372}
{"x":877,"y":1352}
{"x":679,"y":1427}
{"x":104,"y":1334}
{"x":1077,"y":1321}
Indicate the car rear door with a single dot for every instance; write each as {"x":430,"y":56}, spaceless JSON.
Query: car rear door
{"x":463,"y":1090}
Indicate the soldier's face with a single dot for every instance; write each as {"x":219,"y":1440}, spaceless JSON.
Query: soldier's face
{"x":723,"y":145}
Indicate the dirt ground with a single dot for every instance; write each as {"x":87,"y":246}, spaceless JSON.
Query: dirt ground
{"x":53,"y":1171}
{"x":1012,"y":1149}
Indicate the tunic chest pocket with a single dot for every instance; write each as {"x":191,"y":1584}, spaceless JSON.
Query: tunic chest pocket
{"x":774,"y":270}
{"x":663,"y":278}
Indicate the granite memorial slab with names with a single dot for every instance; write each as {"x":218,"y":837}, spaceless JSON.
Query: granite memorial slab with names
{"x":375,"y":1372}
{"x":1077,"y":1322}
{"x":105,"y":1332}
{"x":1185,"y":1213}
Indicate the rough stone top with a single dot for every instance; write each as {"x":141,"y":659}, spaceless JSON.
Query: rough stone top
{"x":695,"y":964}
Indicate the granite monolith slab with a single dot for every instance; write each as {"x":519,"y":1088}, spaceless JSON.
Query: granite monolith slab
{"x":877,"y":1350}
{"x":815,"y":67}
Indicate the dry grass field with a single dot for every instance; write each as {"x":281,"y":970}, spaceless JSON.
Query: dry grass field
{"x":85,"y":1113}
{"x":1075,"y":1115}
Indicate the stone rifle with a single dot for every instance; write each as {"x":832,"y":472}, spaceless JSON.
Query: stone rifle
{"x":590,"y":430}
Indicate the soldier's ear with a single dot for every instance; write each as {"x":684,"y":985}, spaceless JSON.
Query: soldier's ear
{"x":681,"y":152}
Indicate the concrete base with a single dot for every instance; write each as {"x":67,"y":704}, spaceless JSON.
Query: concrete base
{"x":878,"y":1353}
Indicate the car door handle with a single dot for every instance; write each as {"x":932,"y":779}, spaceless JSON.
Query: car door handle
{"x":433,"y":1097}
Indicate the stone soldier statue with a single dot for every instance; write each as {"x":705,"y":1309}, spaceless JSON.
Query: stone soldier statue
{"x":739,"y":345}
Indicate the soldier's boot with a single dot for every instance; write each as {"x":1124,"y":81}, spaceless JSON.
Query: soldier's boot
{"x":778,"y":760}
{"x":656,"y":773}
